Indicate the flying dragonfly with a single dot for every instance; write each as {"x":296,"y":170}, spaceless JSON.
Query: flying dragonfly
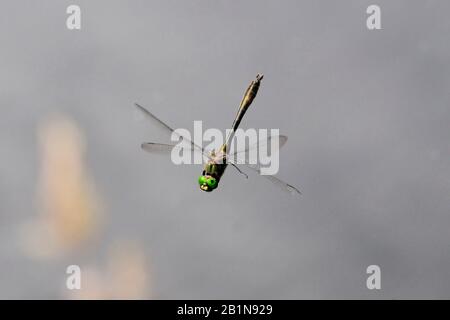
{"x":216,"y":161}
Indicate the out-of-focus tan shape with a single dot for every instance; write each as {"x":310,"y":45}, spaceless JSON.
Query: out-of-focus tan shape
{"x":126,"y":276}
{"x":68,"y":206}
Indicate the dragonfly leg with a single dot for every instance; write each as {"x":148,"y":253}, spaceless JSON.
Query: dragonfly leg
{"x":239,"y":170}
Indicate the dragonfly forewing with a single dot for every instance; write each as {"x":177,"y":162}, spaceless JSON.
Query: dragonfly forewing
{"x":163,"y":148}
{"x":243,"y":156}
{"x":150,"y":116}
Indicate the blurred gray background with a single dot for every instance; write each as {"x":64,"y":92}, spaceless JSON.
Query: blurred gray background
{"x":367,"y":115}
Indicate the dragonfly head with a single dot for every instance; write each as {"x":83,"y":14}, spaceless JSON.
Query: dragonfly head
{"x":207,"y":183}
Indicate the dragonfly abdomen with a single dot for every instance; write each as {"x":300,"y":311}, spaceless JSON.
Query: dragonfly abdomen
{"x":247,"y":100}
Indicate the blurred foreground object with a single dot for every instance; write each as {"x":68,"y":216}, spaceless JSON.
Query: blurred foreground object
{"x":125,"y":276}
{"x":67,"y":204}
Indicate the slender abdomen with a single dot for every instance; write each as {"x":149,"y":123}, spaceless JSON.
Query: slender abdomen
{"x":247,"y":100}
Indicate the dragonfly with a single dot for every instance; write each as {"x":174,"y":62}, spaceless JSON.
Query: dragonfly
{"x":216,"y":161}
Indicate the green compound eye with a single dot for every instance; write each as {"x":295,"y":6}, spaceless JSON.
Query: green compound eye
{"x":212,"y":182}
{"x":202,"y":180}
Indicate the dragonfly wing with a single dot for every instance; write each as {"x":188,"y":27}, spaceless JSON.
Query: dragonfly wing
{"x":162,"y":124}
{"x":278,"y":182}
{"x":242,"y":154}
{"x":153,"y":118}
{"x":163,"y":148}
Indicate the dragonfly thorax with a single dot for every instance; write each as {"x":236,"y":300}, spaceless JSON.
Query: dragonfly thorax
{"x":213,"y":171}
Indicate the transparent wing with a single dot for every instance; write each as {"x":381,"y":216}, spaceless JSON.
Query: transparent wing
{"x":166,"y":127}
{"x":278,"y":182}
{"x":263,"y":143}
{"x":163,"y":148}
{"x":154,"y":147}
